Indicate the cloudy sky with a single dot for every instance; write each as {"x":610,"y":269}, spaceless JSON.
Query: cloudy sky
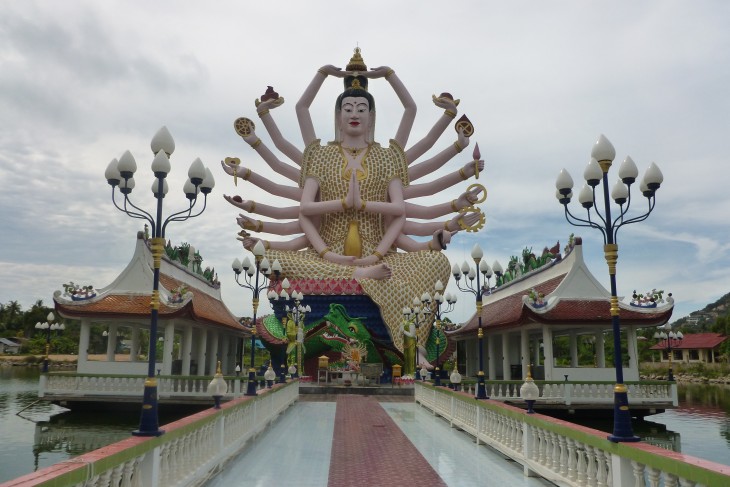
{"x":83,"y":81}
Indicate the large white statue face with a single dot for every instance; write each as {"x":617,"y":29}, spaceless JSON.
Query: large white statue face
{"x":355,"y":116}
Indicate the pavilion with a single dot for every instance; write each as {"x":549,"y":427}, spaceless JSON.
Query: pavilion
{"x":196,"y":327}
{"x":542,"y":317}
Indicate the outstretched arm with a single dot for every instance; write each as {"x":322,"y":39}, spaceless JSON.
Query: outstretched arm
{"x":438,"y":185}
{"x":305,"y":119}
{"x":430,"y":165}
{"x":295,"y":244}
{"x":466,"y":198}
{"x":275,"y":228}
{"x":263,"y":110}
{"x":439,"y":237}
{"x":428,"y":228}
{"x":274,"y":163}
{"x":267,"y":185}
{"x":261,"y":209}
{"x":423,"y":145}
{"x":409,"y":106}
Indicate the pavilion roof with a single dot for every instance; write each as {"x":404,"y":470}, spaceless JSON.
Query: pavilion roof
{"x":571,"y":295}
{"x":128,"y":297}
{"x":693,"y":341}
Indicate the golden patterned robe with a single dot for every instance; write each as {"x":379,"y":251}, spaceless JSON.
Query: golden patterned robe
{"x":413,"y":272}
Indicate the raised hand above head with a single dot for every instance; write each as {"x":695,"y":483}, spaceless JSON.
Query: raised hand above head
{"x":330,"y":70}
{"x":445,"y":102}
{"x":379,"y":72}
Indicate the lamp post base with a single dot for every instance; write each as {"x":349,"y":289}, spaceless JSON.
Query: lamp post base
{"x":481,"y":388}
{"x":251,"y":385}
{"x":149,"y":423}
{"x":437,"y":380}
{"x":622,"y":431}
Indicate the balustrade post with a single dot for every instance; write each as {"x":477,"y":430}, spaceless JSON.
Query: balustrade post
{"x":673,"y":392}
{"x":479,"y":423}
{"x":622,"y":470}
{"x":527,"y":449}
{"x":149,"y":468}
{"x":568,"y":393}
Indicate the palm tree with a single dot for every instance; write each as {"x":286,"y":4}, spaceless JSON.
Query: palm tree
{"x":12,"y":311}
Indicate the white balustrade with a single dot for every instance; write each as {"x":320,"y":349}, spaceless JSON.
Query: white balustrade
{"x":186,"y":455}
{"x":561,"y":454}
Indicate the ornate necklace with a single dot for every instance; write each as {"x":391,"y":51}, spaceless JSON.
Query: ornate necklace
{"x":354,"y":151}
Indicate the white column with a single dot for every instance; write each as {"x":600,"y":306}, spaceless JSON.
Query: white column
{"x":225,"y":349}
{"x":134,"y":349}
{"x":111,"y":342}
{"x":187,"y":343}
{"x":84,"y":336}
{"x":631,"y":347}
{"x":213,"y":358}
{"x":506,"y":369}
{"x":524,"y":351}
{"x":202,"y":345}
{"x":167,"y":347}
{"x":600,"y":350}
{"x":536,"y":351}
{"x":573,"y":349}
{"x":547,"y":340}
{"x":491,"y":357}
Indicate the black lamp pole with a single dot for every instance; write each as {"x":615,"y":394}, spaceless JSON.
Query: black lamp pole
{"x":438,"y":300}
{"x":121,"y":173}
{"x":470,"y":273}
{"x":596,"y":173}
{"x":256,"y":279}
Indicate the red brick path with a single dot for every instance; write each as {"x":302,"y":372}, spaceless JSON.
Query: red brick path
{"x":369,"y":450}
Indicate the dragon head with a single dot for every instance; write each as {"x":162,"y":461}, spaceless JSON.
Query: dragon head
{"x":342,"y":329}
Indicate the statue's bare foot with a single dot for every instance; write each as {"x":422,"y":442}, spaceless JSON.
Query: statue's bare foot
{"x":380,"y":271}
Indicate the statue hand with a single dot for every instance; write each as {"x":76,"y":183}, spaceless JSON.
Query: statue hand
{"x":365,"y":261}
{"x":440,"y":239}
{"x":468,"y":219}
{"x":339,"y":259}
{"x":248,"y":242}
{"x":353,"y":193}
{"x":445,"y":103}
{"x":462,"y":139}
{"x":469,"y":169}
{"x":378,"y":72}
{"x":468,"y":198}
{"x":269,"y":104}
{"x":241,"y":171}
{"x":333,"y":71}
{"x":247,"y":223}
{"x":245,"y":205}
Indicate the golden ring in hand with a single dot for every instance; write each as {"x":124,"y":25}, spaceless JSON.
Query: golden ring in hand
{"x":483,"y":198}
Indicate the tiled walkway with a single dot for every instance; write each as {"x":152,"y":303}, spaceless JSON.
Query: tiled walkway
{"x":313,"y":445}
{"x":368,"y":448}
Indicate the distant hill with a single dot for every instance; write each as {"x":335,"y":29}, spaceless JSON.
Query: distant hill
{"x":704,"y":318}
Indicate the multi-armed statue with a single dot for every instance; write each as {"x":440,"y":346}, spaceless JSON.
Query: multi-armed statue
{"x":351,"y":218}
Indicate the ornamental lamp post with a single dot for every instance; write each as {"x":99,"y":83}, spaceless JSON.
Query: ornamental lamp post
{"x":478,"y":291}
{"x":439,"y":299}
{"x":596,"y":172}
{"x":256,"y":279}
{"x":296,"y":312}
{"x":669,"y":340}
{"x":200,"y":180}
{"x":419,"y":312}
{"x":48,"y":327}
{"x":529,"y":391}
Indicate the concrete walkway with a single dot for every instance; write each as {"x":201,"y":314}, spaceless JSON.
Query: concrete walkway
{"x":360,"y":441}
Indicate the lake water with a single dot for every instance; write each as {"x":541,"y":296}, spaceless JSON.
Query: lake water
{"x":700,"y":427}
